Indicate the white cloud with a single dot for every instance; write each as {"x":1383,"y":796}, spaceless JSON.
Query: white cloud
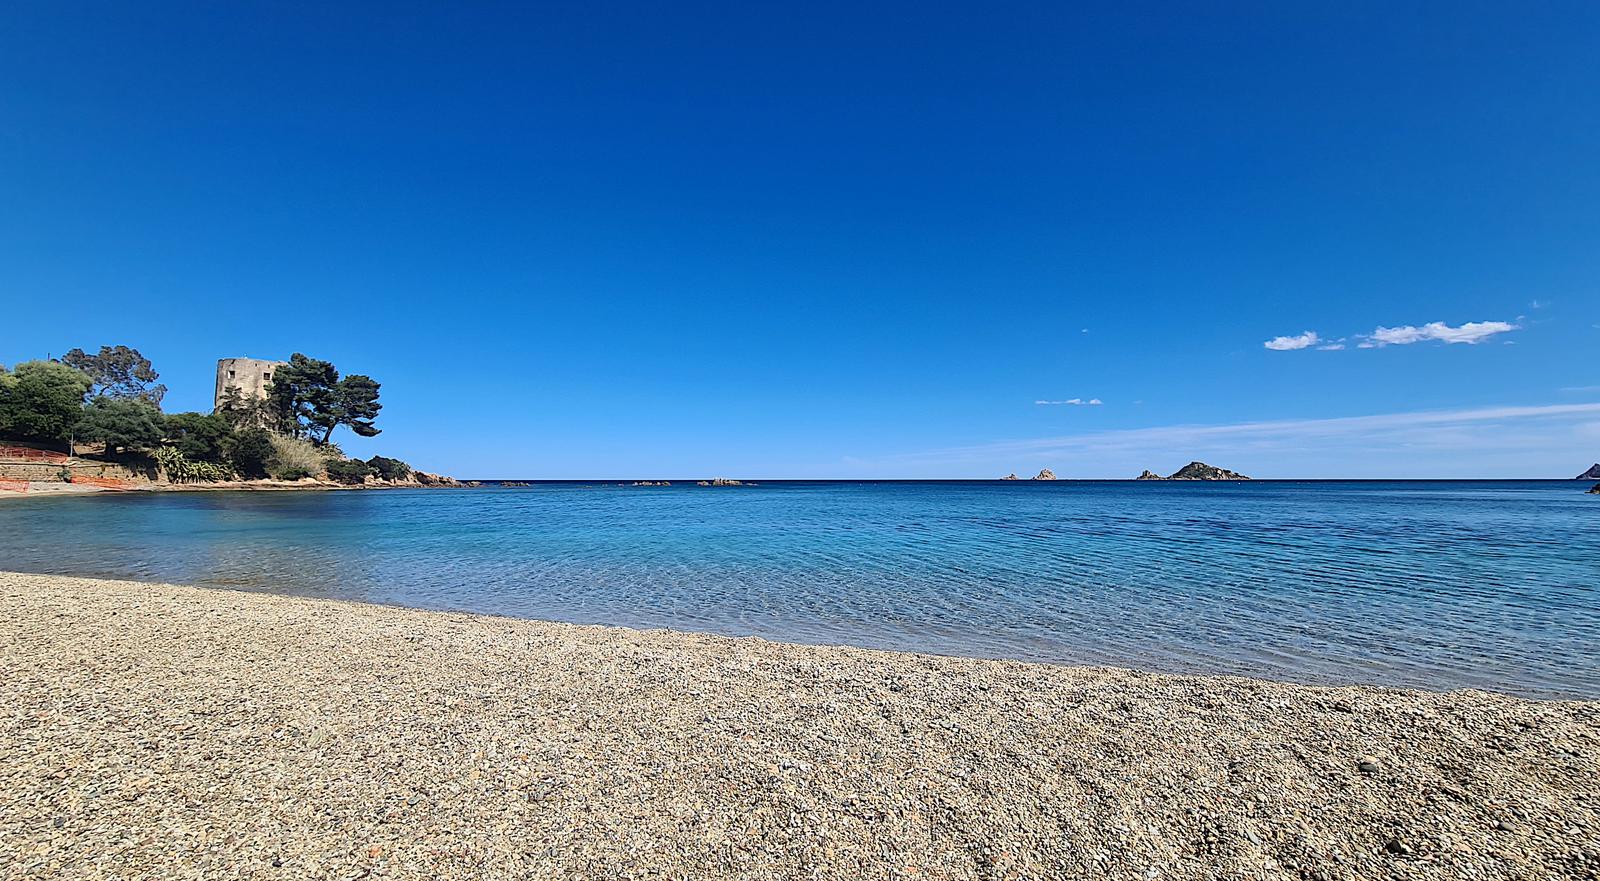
{"x":1471,"y":332}
{"x":1331,"y":347}
{"x":1076,"y":402}
{"x":1290,"y":343}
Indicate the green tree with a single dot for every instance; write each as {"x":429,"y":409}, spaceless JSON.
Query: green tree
{"x":123,"y":423}
{"x":300,"y":391}
{"x":118,"y":372}
{"x":42,"y":401}
{"x":308,"y":397}
{"x":201,"y":437}
{"x":249,"y":451}
{"x":389,"y":469}
{"x":355,"y":403}
{"x":242,"y":413}
{"x":348,"y":470}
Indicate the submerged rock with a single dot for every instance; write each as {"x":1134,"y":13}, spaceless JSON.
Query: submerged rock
{"x":1595,"y":490}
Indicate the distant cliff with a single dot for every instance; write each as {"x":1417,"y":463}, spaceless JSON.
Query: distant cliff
{"x":1195,"y":471}
{"x":1592,"y":474}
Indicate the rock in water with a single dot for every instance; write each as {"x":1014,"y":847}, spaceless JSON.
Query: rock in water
{"x":1011,"y":476}
{"x":1592,"y":474}
{"x":1147,"y":474}
{"x":1595,"y":490}
{"x":1202,"y":471}
{"x":1045,"y":474}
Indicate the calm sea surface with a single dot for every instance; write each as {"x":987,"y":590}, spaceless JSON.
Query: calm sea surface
{"x":1436,"y":584}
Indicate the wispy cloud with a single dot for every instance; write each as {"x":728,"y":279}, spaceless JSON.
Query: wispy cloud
{"x":1420,"y":443}
{"x":1076,"y":402}
{"x":1303,"y":340}
{"x":1470,"y":333}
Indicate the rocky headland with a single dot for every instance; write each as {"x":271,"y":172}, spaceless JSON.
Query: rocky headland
{"x":1592,"y":474}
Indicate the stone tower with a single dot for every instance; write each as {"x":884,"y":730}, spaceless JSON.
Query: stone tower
{"x":250,"y":376}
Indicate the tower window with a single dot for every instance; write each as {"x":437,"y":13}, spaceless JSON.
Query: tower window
{"x":230,"y":374}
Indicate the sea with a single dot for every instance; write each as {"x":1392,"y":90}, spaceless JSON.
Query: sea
{"x":1434,"y":584}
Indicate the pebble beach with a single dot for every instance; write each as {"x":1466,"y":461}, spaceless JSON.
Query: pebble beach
{"x":159,"y":731}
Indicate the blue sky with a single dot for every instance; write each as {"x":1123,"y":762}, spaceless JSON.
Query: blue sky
{"x":607,"y":240}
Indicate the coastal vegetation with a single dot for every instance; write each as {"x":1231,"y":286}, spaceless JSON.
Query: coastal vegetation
{"x":110,"y":403}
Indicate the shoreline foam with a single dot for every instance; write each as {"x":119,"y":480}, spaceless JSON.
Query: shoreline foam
{"x":163,"y":731}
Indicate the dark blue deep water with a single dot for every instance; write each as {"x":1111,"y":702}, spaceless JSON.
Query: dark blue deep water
{"x":1437,"y":584}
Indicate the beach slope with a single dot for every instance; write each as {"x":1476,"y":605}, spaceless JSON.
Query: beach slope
{"x":157,"y":731}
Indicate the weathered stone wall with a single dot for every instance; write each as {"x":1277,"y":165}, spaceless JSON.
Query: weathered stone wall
{"x":250,"y":376}
{"x":13,"y":470}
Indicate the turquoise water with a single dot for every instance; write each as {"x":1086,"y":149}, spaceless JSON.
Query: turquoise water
{"x":1435,"y":584}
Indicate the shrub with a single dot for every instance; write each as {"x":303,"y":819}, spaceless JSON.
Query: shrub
{"x":389,"y":469}
{"x":179,"y":468}
{"x":249,"y":451}
{"x":348,"y":470}
{"x":293,"y":458}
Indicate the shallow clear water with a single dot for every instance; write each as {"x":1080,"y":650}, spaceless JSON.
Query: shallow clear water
{"x":1436,"y":584}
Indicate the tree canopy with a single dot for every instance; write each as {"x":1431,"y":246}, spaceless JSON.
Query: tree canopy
{"x":42,"y":400}
{"x":123,"y":423}
{"x":200,"y":437}
{"x":307,"y":397}
{"x":118,"y":372}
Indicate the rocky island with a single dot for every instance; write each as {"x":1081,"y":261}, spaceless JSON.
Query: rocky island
{"x":1592,"y":474}
{"x":1195,"y":471}
{"x":1045,"y":474}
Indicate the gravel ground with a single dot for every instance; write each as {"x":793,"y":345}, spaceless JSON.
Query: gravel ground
{"x":155,"y":731}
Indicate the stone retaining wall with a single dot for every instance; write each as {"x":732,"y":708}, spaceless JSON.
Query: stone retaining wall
{"x":12,"y":469}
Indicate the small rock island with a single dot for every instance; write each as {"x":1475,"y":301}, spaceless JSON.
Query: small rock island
{"x":1195,"y":471}
{"x":1592,"y":474}
{"x":1045,"y":474}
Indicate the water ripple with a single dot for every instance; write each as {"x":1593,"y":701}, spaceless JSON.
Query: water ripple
{"x":1435,"y":584}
